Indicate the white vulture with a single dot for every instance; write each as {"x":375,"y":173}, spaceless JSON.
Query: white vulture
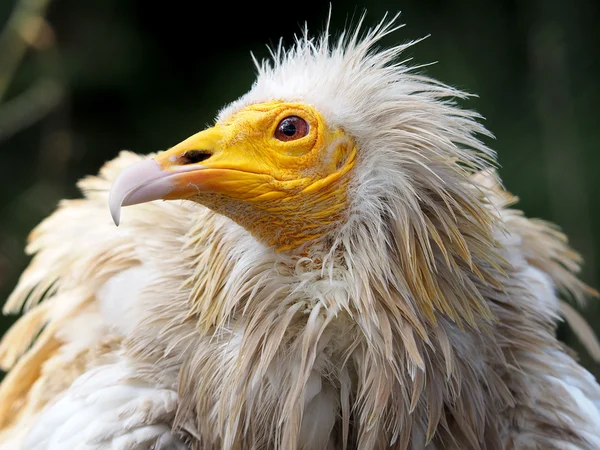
{"x":342,"y":270}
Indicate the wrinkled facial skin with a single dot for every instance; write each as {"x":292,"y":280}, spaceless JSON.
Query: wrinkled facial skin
{"x":275,"y":168}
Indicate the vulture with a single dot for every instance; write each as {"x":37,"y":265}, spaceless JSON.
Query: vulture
{"x":333,"y":265}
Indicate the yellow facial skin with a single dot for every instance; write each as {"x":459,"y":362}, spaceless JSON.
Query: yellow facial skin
{"x":284,"y":192}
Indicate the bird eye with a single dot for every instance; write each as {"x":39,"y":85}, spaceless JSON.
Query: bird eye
{"x":291,"y":128}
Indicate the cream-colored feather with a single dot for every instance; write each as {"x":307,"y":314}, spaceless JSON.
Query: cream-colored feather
{"x":425,"y":319}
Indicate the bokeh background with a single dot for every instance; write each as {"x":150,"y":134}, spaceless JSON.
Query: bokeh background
{"x":81,"y":80}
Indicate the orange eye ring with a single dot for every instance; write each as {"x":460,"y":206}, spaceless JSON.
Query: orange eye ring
{"x":291,"y":128}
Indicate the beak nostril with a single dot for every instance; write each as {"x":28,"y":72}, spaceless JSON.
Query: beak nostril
{"x":194,"y":156}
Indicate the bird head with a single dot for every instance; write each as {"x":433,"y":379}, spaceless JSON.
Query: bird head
{"x":330,"y":135}
{"x":278,"y":168}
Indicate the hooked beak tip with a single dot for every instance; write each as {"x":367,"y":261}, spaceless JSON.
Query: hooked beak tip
{"x":114,"y":204}
{"x":116,"y":214}
{"x":141,"y":182}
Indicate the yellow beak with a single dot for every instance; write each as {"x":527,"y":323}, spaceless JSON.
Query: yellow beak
{"x":175,"y":173}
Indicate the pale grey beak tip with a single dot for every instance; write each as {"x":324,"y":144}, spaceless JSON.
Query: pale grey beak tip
{"x":141,"y":182}
{"x":116,"y":217}
{"x":114,"y":205}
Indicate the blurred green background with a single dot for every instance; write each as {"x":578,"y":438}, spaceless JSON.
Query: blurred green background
{"x":80,"y":81}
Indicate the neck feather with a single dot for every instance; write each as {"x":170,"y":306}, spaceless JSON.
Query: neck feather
{"x":375,"y":309}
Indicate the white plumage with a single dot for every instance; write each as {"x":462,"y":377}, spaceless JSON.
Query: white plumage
{"x":367,"y":286}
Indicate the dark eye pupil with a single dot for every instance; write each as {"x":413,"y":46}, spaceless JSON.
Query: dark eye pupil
{"x":291,"y":128}
{"x":288,"y":128}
